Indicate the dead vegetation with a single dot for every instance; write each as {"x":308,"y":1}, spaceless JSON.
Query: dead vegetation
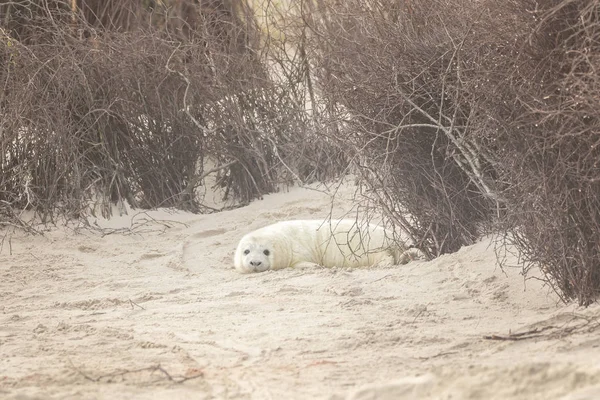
{"x":105,"y":102}
{"x":457,"y":117}
{"x":468,"y":116}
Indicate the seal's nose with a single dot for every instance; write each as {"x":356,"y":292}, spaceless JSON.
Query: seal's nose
{"x":255,"y":263}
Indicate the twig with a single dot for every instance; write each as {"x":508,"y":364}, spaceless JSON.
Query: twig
{"x":133,"y":303}
{"x":420,"y":312}
{"x":382,"y":278}
{"x":521,"y":335}
{"x":444,"y":353}
{"x":197,"y":181}
{"x":154,"y":368}
{"x":137,"y":224}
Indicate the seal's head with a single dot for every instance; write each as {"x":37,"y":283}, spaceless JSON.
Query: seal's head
{"x":253,"y":256}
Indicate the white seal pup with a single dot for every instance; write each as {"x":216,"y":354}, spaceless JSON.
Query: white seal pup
{"x":302,"y":243}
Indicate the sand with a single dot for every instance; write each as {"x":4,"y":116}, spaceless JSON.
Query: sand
{"x":150,"y":307}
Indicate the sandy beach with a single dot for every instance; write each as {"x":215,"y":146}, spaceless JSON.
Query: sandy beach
{"x":148,"y":306}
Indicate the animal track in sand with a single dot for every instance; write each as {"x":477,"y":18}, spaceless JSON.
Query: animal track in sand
{"x":152,"y":255}
{"x":91,"y":304}
{"x":151,"y":345}
{"x":209,"y":233}
{"x":86,"y":249}
{"x":351,"y":292}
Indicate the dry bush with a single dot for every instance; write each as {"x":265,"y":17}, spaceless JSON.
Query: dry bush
{"x":396,"y":72}
{"x":537,"y":125}
{"x":465,"y":115}
{"x":94,"y":120}
{"x":112,"y":101}
{"x":552,"y":159}
{"x":271,"y":140}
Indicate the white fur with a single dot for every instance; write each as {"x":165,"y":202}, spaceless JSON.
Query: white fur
{"x":301,"y":243}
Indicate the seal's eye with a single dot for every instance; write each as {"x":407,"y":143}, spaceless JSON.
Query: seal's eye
{"x":266,"y":252}
{"x":246,"y":252}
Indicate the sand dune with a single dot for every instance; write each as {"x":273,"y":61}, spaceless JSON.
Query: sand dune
{"x":158,"y":312}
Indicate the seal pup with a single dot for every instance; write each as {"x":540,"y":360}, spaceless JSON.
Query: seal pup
{"x":329,"y":243}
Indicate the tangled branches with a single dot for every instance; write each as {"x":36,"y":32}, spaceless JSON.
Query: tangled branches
{"x":465,"y":116}
{"x":105,"y":102}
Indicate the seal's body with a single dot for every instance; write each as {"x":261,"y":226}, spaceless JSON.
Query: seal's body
{"x":301,"y":243}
